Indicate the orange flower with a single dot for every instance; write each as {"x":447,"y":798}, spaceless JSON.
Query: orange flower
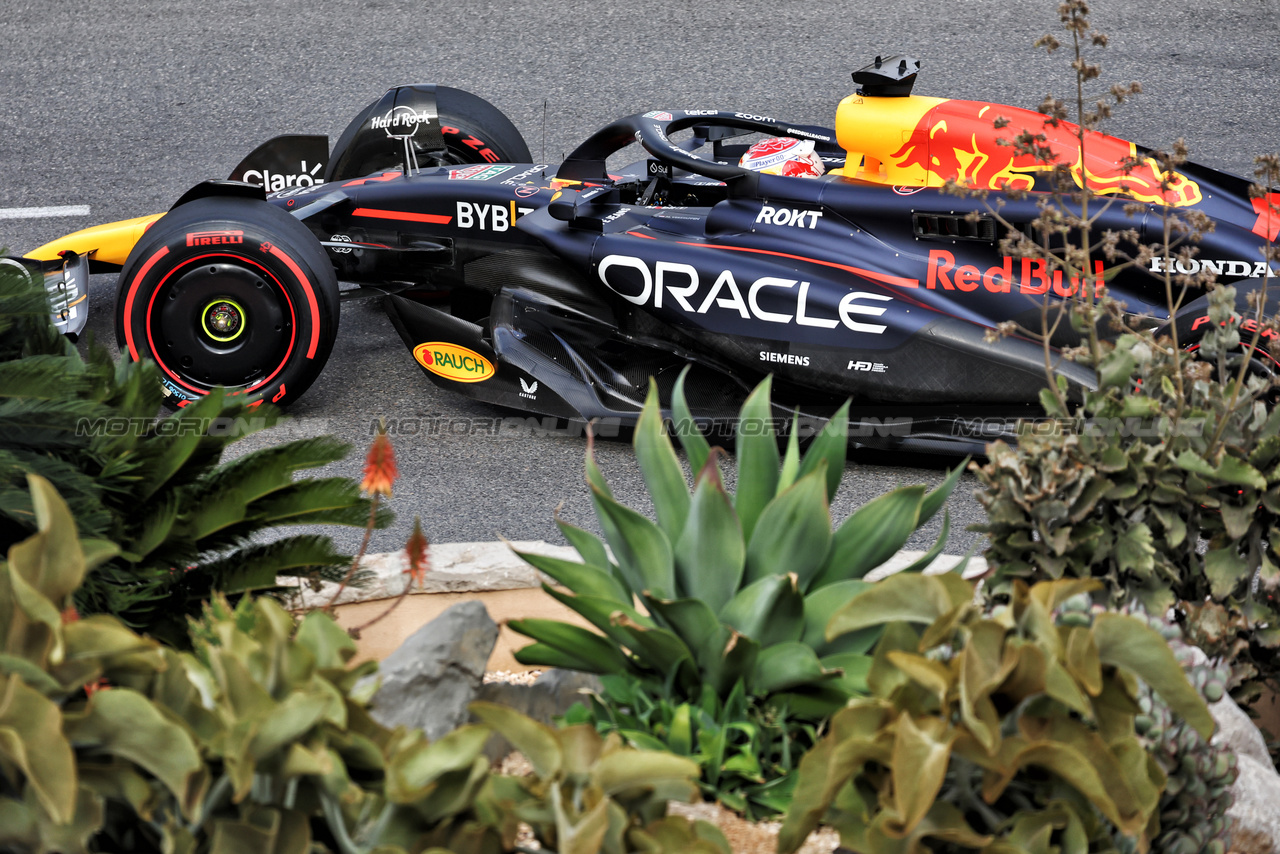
{"x":416,"y":549}
{"x":380,"y":466}
{"x":70,"y":615}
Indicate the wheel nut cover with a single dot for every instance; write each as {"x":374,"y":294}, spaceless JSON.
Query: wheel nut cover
{"x":223,"y":320}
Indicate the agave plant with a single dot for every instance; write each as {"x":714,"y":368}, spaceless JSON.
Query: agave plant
{"x":728,"y":590}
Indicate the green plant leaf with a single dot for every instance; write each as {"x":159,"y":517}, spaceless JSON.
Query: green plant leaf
{"x":630,"y":769}
{"x":1225,"y":568}
{"x":909,"y":598}
{"x":787,"y":666}
{"x":791,"y":458}
{"x":757,"y":458}
{"x":32,"y":741}
{"x":855,"y":670}
{"x":694,"y":443}
{"x":588,"y":545}
{"x":1129,"y":643}
{"x":821,"y":605}
{"x":922,"y":563}
{"x":590,"y":652}
{"x":602,"y":613}
{"x":871,"y":535}
{"x":412,"y":771}
{"x":1134,"y":549}
{"x":793,"y":533}
{"x":659,"y":467}
{"x":124,"y":723}
{"x":538,"y":742}
{"x":680,"y":732}
{"x":1232,"y":470}
{"x":832,"y":446}
{"x":710,"y":555}
{"x":328,"y":642}
{"x":983,"y":666}
{"x":660,"y":650}
{"x":583,"y":579}
{"x":735,"y":663}
{"x":933,"y":676}
{"x":595,"y":478}
{"x":770,"y":610}
{"x":50,"y":561}
{"x":938,"y":497}
{"x":585,"y":835}
{"x":693,"y":621}
{"x":920,"y":762}
{"x":179,"y":444}
{"x":641,"y":548}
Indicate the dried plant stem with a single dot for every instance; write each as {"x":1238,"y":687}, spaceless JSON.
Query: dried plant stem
{"x":355,"y":561}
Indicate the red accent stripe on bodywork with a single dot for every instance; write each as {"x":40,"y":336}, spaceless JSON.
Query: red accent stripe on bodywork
{"x":371,"y":213}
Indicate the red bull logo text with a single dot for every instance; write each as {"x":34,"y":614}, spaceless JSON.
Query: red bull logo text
{"x":958,"y":140}
{"x":1036,"y":278}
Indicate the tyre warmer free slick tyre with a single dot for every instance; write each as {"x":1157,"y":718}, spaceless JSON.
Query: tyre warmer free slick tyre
{"x":229,"y":292}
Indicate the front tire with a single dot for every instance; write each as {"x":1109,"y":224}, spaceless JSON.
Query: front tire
{"x":229,"y":292}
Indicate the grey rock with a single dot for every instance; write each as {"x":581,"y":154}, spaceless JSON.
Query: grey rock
{"x":1237,"y":731}
{"x":549,"y":697}
{"x":1256,"y":809}
{"x":429,"y":680}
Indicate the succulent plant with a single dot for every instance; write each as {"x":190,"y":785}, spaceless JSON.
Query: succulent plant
{"x":1168,"y":492}
{"x":726,"y":655}
{"x":737,"y":587}
{"x":1000,"y":731}
{"x":1197,"y":793}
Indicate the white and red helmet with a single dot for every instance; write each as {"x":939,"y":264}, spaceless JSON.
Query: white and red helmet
{"x":782,"y":155}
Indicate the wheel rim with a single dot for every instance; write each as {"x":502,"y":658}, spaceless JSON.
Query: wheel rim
{"x":221,"y":321}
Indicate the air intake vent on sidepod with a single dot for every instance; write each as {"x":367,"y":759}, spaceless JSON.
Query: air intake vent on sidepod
{"x":939,"y":226}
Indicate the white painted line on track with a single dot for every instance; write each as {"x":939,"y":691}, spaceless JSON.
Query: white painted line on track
{"x":38,"y":213}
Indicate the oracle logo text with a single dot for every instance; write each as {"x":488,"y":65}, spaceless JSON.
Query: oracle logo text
{"x":674,"y":285}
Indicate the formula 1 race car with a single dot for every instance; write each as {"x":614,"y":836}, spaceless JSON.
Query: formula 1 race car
{"x":562,"y":290}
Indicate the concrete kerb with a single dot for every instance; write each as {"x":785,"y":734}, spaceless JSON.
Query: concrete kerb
{"x":493,"y":566}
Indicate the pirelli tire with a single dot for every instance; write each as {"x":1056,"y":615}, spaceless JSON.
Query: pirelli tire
{"x":474,"y":131}
{"x":229,"y":292}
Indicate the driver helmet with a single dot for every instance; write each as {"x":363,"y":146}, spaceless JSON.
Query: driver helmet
{"x":783,"y":155}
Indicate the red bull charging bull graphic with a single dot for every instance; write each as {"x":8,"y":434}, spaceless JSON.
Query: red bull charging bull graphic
{"x":955,"y":139}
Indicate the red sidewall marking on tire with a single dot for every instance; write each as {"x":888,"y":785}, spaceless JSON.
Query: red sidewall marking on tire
{"x":311,"y":298}
{"x":293,"y":318}
{"x":128,"y":301}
